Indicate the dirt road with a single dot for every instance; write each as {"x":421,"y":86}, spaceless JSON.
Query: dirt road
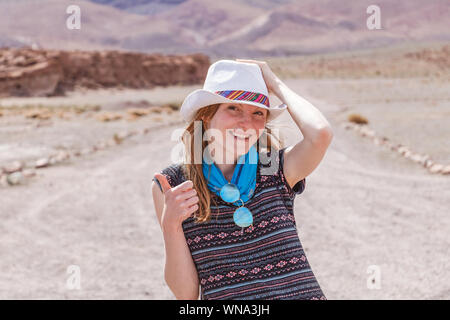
{"x":363,"y":209}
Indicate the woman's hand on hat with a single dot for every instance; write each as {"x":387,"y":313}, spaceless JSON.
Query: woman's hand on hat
{"x":271,"y":80}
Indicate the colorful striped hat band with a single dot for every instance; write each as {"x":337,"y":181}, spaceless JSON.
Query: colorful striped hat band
{"x":245,"y":96}
{"x":227,"y":81}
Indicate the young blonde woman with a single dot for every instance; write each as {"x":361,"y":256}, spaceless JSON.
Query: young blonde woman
{"x":228,"y":225}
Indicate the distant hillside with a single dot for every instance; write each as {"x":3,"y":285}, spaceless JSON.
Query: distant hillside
{"x":222,"y":28}
{"x":146,"y":7}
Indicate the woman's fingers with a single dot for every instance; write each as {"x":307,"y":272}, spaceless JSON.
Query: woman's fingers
{"x":187,"y":200}
{"x":271,"y":80}
{"x":193,"y":208}
{"x":188,"y":212}
{"x":186,"y":185}
{"x":183,"y":195}
{"x":191,"y":201}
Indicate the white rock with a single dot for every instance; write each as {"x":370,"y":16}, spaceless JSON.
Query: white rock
{"x":446,"y":169}
{"x":41,"y":163}
{"x":424,"y":159}
{"x":366,"y":132}
{"x":416,"y":157}
{"x":13,"y":167}
{"x":436,"y":168}
{"x":402,"y":150}
{"x":123,"y":135}
{"x":428,"y":163}
{"x":15,"y":178}
{"x":62,"y":156}
{"x":377,"y":141}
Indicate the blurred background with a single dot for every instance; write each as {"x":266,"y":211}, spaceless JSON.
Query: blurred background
{"x":89,"y":103}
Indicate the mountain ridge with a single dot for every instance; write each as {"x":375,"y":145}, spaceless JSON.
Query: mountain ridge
{"x":234,"y":28}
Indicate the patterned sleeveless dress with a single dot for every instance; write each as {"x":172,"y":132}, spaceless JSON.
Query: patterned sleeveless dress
{"x":264,"y":261}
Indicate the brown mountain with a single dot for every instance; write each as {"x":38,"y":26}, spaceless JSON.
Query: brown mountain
{"x":219,"y":28}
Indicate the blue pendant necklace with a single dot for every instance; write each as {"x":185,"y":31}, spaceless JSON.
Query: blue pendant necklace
{"x":244,"y":180}
{"x":230,"y":193}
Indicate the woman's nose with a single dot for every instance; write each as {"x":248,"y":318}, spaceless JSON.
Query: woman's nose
{"x":245,"y":118}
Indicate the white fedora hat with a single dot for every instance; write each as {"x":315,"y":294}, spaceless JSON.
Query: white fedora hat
{"x":229,"y":81}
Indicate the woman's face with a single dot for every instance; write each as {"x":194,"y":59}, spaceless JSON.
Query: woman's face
{"x":240,"y":126}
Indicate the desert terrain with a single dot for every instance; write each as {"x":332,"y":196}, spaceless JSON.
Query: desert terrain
{"x":365,"y":205}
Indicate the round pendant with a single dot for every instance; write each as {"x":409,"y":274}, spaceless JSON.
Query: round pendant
{"x":243,"y":217}
{"x":230,"y":193}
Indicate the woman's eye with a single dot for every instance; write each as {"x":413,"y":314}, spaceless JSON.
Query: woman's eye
{"x":259,"y":113}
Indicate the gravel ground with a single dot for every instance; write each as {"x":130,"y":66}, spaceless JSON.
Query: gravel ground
{"x":363,"y":206}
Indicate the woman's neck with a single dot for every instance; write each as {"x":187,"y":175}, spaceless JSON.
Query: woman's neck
{"x":227,"y":170}
{"x":224,"y":164}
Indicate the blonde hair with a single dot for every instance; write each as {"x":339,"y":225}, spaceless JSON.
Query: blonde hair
{"x":194,"y":172}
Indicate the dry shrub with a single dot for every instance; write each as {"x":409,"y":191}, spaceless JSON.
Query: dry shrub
{"x":64,"y":115}
{"x":95,"y":107}
{"x":117,"y":138}
{"x":42,"y":114}
{"x":357,"y":118}
{"x":156,"y":110}
{"x":109,"y":116}
{"x":138,"y":112}
{"x":84,"y":108}
{"x":174,"y":106}
{"x":79,"y":109}
{"x":168,"y":110}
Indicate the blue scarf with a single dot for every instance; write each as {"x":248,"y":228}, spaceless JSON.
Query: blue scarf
{"x":244,"y":175}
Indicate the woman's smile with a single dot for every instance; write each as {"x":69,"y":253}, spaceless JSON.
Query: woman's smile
{"x":241,"y":137}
